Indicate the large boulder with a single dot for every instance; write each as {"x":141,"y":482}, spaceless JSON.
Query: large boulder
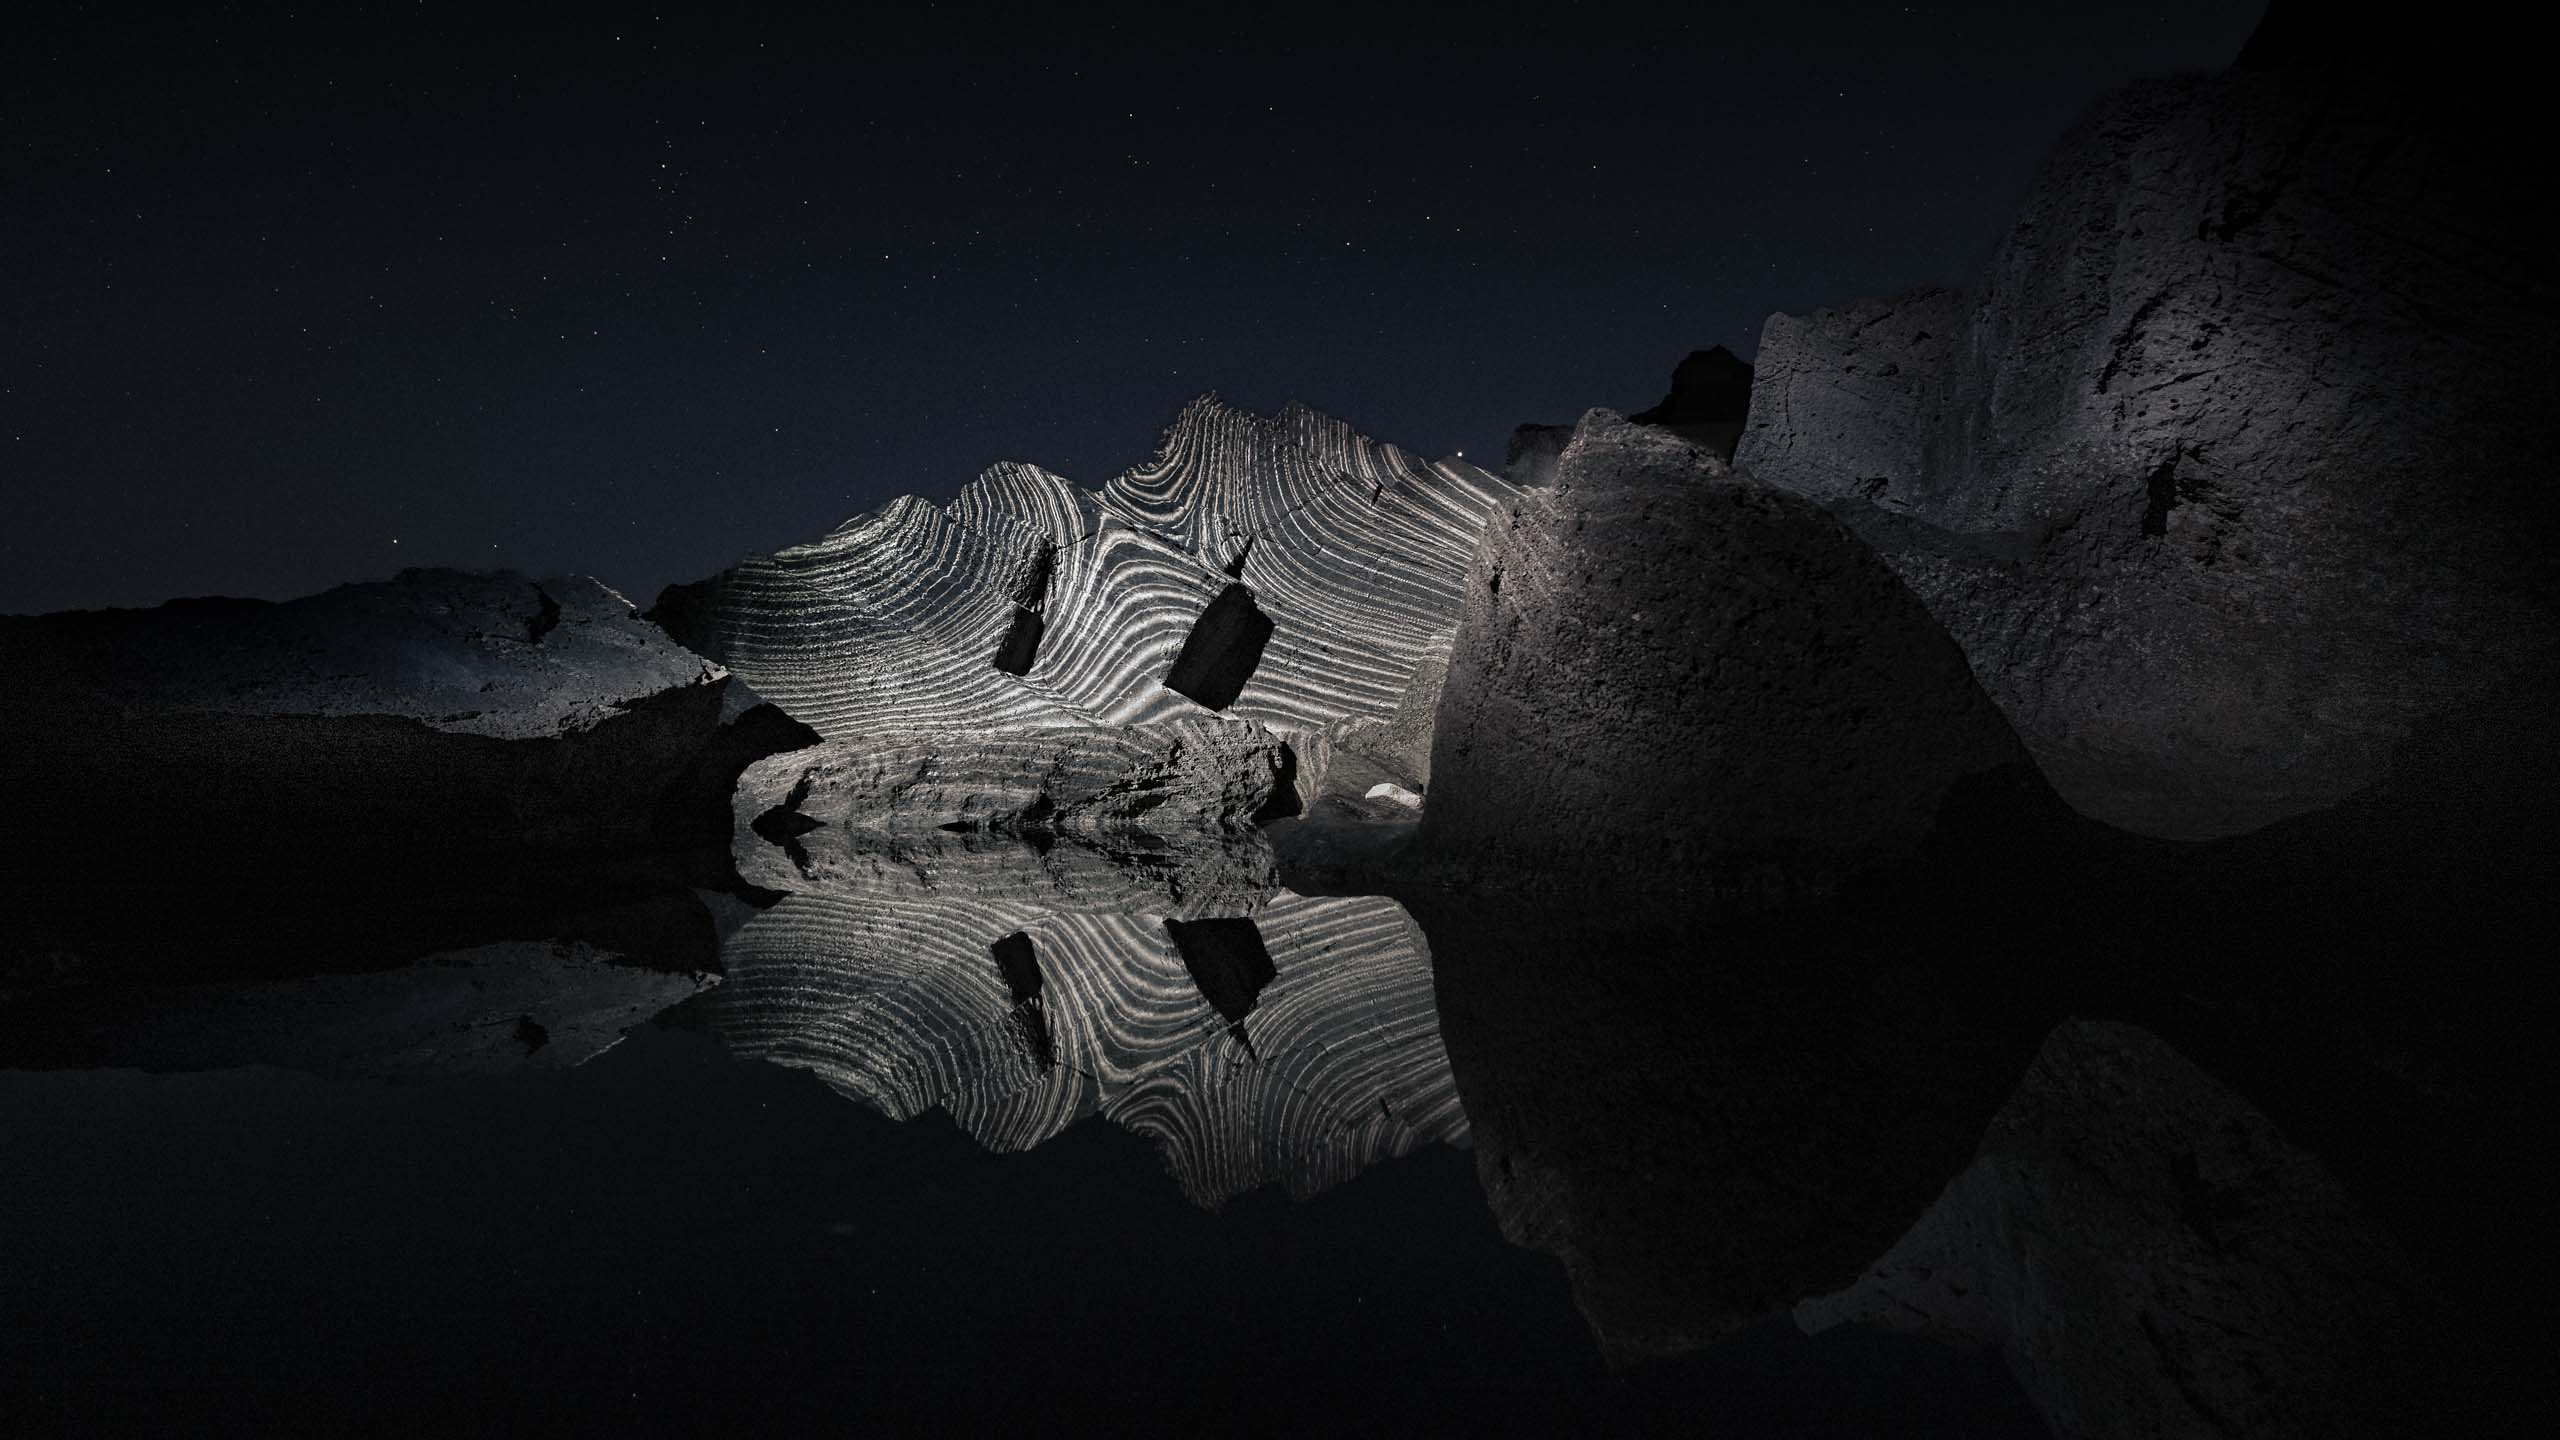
{"x":1670,"y":676}
{"x":2227,"y":473}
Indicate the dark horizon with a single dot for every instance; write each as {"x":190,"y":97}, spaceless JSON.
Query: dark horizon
{"x":301,"y":303}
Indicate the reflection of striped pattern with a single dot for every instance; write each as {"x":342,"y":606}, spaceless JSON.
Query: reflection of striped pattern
{"x":886,"y":987}
{"x":1355,"y":549}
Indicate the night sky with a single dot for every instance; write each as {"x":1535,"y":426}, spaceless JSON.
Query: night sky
{"x":297,"y":299}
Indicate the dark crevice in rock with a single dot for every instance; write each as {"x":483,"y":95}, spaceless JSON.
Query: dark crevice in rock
{"x":1235,"y":567}
{"x":1021,"y":644}
{"x":1223,"y":650}
{"x":544,"y":621}
{"x":532,"y":1034}
{"x":2162,"y":487}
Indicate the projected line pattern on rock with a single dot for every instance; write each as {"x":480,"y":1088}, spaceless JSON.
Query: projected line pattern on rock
{"x":1354,"y":550}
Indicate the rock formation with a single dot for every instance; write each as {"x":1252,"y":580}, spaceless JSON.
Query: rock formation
{"x":2227,"y":472}
{"x":1282,"y":570}
{"x":1156,"y":818}
{"x":1670,"y":676}
{"x":355,"y":779}
{"x":2154,"y":1258}
{"x":1709,"y":400}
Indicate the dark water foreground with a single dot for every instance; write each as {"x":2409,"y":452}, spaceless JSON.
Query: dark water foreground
{"x":669,"y":1238}
{"x":980,"y":1130}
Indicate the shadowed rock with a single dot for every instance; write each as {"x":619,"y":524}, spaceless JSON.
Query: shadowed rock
{"x":2229,"y":469}
{"x":234,"y":789}
{"x":1669,"y":676}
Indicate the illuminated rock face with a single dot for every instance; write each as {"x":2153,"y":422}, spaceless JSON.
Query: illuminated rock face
{"x":2229,"y":471}
{"x":1283,"y":570}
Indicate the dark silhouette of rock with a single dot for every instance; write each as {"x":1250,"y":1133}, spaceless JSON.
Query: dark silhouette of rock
{"x":2227,"y":472}
{"x":1710,"y":397}
{"x":2154,"y":1258}
{"x":1669,"y":676}
{"x":1709,"y":400}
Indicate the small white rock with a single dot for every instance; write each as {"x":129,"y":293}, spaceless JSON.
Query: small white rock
{"x":1397,"y":793}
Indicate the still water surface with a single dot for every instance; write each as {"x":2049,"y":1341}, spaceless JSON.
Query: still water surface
{"x":948,"y":1149}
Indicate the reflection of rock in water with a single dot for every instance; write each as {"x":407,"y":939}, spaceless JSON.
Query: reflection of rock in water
{"x":2153,"y":1257}
{"x":1706,"y":1121}
{"x":488,"y":1010}
{"x":958,"y":971}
